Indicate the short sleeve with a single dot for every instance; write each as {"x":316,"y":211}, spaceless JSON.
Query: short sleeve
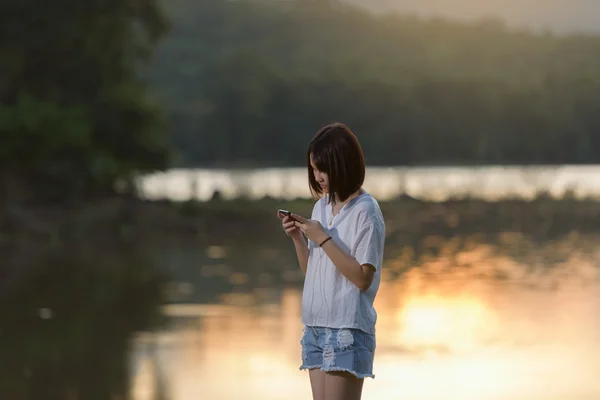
{"x":369,"y":243}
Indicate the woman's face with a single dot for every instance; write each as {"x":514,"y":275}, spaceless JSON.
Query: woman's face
{"x":321,"y":177}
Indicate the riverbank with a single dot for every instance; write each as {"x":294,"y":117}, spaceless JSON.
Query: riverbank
{"x":250,"y":233}
{"x":125,"y":220}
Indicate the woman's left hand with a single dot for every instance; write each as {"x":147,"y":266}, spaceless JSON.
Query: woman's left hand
{"x":312,"y":229}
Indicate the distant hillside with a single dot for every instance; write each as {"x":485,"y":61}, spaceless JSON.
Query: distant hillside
{"x":557,"y":15}
{"x":248,"y":82}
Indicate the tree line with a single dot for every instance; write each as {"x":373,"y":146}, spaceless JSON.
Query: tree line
{"x":247,"y":82}
{"x":96,"y":93}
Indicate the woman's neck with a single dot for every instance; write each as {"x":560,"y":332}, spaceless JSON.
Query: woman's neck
{"x":339,"y":204}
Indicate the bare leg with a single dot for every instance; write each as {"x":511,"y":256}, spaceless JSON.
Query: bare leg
{"x":343,"y":386}
{"x":317,"y":383}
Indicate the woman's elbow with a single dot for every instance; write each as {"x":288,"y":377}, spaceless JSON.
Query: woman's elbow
{"x":367,"y":278}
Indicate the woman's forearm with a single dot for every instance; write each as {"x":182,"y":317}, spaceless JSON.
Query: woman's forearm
{"x":302,"y":253}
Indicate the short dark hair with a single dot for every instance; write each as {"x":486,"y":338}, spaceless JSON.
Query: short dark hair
{"x":336,"y":151}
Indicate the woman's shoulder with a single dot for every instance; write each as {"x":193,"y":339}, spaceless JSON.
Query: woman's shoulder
{"x":367,"y":208}
{"x":366,"y":203}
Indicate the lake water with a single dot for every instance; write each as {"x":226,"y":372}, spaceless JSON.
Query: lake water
{"x":428,"y":183}
{"x":471,"y":321}
{"x":465,"y":312}
{"x":467,"y":319}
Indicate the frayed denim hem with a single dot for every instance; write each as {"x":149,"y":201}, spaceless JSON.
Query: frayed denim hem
{"x":337,"y":369}
{"x":305,"y":368}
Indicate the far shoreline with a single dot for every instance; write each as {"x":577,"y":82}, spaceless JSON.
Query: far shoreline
{"x":134,"y":218}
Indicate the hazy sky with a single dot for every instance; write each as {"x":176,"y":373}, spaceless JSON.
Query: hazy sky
{"x":557,"y":15}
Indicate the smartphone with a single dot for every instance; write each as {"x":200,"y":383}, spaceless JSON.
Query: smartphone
{"x":288,"y":213}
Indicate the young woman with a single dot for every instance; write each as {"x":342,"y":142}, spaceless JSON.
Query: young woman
{"x":342,"y":266}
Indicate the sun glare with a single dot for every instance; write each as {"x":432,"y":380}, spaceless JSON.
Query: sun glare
{"x":432,"y":322}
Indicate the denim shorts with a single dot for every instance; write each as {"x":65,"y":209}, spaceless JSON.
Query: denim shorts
{"x":347,"y":350}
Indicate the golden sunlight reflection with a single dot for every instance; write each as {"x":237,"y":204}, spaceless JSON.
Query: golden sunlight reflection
{"x":471,"y":323}
{"x":451,"y":324}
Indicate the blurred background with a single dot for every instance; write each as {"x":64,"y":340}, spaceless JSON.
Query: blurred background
{"x":146,"y":146}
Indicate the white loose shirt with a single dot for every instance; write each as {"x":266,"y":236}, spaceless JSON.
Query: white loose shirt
{"x":329,"y":299}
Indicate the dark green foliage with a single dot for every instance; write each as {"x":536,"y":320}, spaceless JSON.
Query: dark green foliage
{"x":74,"y":117}
{"x":248,"y":82}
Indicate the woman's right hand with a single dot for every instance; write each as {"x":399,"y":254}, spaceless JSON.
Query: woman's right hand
{"x":289,"y":227}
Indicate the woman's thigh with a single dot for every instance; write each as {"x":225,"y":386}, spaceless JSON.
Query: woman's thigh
{"x":343,"y":386}
{"x":317,"y":384}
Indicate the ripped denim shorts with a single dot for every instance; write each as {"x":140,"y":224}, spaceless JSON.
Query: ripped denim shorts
{"x":348,"y":350}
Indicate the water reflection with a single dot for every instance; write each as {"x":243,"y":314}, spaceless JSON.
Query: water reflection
{"x":460,"y":317}
{"x":471,"y":320}
{"x":66,"y":324}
